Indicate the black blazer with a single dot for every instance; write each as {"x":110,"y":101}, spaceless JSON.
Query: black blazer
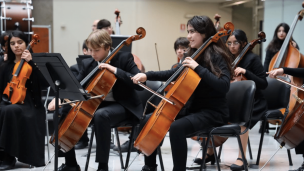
{"x":123,"y":90}
{"x":74,"y":69}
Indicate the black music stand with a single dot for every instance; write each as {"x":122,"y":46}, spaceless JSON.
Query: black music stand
{"x":59,"y":76}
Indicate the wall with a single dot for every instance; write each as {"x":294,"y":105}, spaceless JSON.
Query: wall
{"x":277,"y":11}
{"x":72,"y":22}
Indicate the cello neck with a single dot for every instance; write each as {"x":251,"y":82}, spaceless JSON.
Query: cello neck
{"x":240,"y":56}
{"x":106,"y":60}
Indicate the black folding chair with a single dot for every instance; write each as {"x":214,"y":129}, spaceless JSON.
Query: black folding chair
{"x":240,"y":100}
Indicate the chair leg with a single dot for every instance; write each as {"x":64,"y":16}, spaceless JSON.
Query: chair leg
{"x":130,"y":146}
{"x":215,"y":154}
{"x":289,"y":157}
{"x":242,"y":152}
{"x":119,"y":149}
{"x":90,"y":147}
{"x":204,"y":144}
{"x":261,"y":142}
{"x":249,"y":149}
{"x":160,"y":158}
{"x":220,"y":153}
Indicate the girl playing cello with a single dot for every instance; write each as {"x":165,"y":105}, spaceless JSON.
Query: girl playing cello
{"x":207,"y":106}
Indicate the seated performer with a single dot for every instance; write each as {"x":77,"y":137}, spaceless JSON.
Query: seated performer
{"x":122,"y":103}
{"x":207,"y":106}
{"x":296,"y":72}
{"x":251,"y":67}
{"x":22,"y":126}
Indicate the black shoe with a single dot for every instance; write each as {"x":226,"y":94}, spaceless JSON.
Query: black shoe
{"x":237,"y":167}
{"x":148,"y":168}
{"x":112,"y":145}
{"x":124,"y":147}
{"x":210,"y":158}
{"x":101,"y":170}
{"x":65,"y":167}
{"x":81,"y":145}
{"x":6,"y":165}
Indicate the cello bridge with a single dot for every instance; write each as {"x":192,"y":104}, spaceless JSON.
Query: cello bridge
{"x":299,"y":100}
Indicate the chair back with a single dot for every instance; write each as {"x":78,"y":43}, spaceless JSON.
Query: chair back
{"x":240,"y":100}
{"x":144,"y":95}
{"x":276,"y":94}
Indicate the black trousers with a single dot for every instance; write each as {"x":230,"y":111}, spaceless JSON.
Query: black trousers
{"x":108,"y":115}
{"x":300,"y":148}
{"x":179,"y":130}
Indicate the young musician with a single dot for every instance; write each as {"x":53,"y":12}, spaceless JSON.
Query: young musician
{"x":274,"y":46}
{"x":3,"y":57}
{"x":120,"y":104}
{"x":22,"y":126}
{"x":208,"y":106}
{"x":105,"y":25}
{"x":181,"y":45}
{"x":251,"y":67}
{"x":94,"y":26}
{"x":296,"y":72}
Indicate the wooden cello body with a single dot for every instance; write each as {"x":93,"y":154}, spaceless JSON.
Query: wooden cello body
{"x":15,"y":91}
{"x":79,"y":117}
{"x":159,"y":123}
{"x":291,"y":132}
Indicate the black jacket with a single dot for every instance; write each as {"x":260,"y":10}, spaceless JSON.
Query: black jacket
{"x":123,"y":90}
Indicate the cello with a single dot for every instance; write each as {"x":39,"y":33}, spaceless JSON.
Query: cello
{"x":217,"y":22}
{"x":247,"y":48}
{"x":187,"y":80}
{"x":15,"y":90}
{"x":290,"y":57}
{"x":100,"y":82}
{"x":218,"y":140}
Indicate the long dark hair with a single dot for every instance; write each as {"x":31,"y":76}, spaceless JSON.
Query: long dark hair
{"x":275,"y":45}
{"x":10,"y":54}
{"x":240,"y":37}
{"x":204,"y":25}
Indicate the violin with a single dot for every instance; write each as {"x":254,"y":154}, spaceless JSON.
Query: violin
{"x":100,"y":82}
{"x":186,"y":82}
{"x":247,"y":48}
{"x":15,"y":90}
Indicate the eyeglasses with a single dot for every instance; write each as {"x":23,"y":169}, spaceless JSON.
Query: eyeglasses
{"x":234,"y":43}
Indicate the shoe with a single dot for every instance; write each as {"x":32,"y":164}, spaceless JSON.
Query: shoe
{"x":101,"y":170}
{"x":112,"y":145}
{"x":5,"y":165}
{"x":237,"y":167}
{"x":148,"y":168}
{"x":124,"y":147}
{"x":81,"y":145}
{"x":210,"y":158}
{"x":65,"y":167}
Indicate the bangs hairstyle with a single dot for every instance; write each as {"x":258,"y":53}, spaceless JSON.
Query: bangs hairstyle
{"x":98,"y":39}
{"x":181,"y":41}
{"x":204,"y":25}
